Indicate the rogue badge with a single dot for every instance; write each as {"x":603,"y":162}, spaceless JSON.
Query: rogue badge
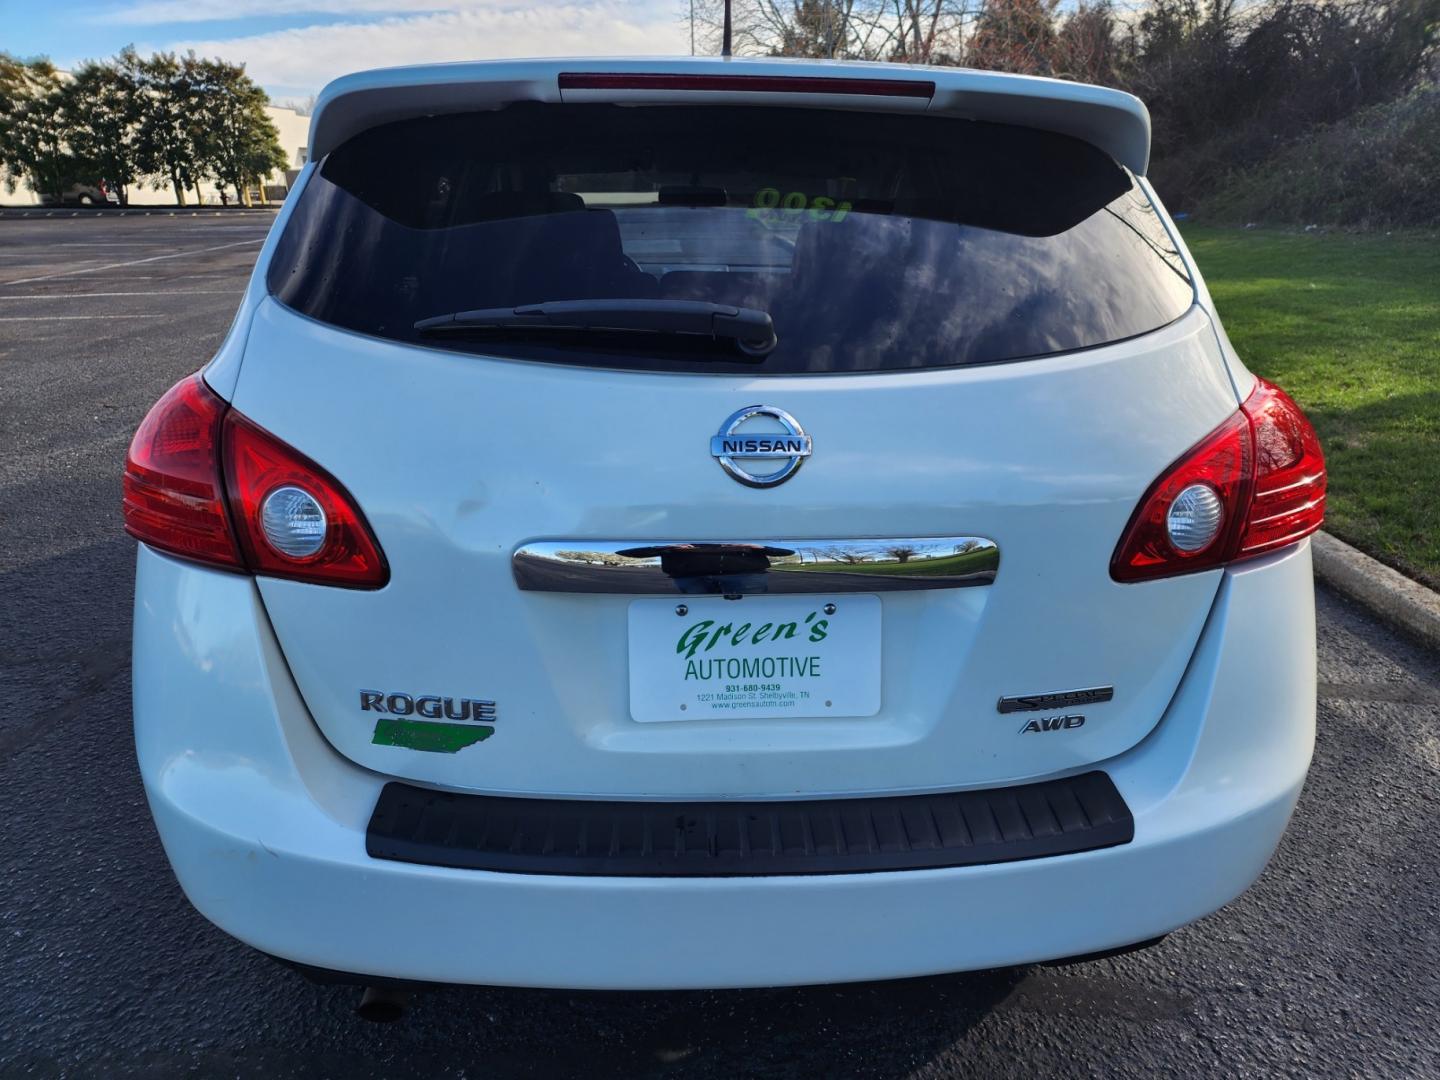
{"x":735,"y":444}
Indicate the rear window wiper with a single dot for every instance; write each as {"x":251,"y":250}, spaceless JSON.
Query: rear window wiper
{"x":749,"y":328}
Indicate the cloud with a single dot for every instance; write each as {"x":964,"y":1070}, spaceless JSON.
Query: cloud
{"x":147,"y":12}
{"x":302,"y":59}
{"x":151,"y":12}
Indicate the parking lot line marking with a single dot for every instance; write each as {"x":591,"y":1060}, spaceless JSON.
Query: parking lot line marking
{"x":133,"y":262}
{"x":85,"y":295}
{"x":70,"y":318}
{"x":37,"y":246}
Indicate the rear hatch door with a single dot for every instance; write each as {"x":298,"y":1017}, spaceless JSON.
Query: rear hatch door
{"x":981,"y":359}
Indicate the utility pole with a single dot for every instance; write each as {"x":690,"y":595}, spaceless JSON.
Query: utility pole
{"x":725,"y":40}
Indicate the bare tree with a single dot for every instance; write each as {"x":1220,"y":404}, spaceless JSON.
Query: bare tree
{"x":1014,"y":35}
{"x":907,"y":31}
{"x":1089,"y":46}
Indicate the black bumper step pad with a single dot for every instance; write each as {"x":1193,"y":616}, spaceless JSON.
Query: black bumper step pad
{"x":733,"y":839}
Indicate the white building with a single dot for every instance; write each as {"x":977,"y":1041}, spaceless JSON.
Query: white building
{"x":294,"y":132}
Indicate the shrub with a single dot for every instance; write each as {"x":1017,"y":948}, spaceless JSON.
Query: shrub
{"x":1379,"y":167}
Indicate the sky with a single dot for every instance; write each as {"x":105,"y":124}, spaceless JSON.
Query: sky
{"x":293,"y":47}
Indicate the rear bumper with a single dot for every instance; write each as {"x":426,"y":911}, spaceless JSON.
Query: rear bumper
{"x":264,"y":824}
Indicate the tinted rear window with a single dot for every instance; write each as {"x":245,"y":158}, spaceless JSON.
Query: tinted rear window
{"x":875,"y":242}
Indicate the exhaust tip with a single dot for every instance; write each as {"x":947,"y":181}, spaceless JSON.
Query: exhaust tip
{"x":382,"y":1005}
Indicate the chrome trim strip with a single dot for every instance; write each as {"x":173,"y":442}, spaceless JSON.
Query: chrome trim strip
{"x":734,"y":568}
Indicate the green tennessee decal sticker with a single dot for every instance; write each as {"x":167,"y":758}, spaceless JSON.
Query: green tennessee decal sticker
{"x":436,"y":738}
{"x":769,"y":202}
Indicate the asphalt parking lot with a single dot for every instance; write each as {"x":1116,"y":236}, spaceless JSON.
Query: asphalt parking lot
{"x":1330,"y":965}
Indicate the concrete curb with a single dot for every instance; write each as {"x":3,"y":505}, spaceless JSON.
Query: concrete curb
{"x":1392,"y":596}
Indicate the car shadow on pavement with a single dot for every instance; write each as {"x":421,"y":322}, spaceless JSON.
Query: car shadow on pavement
{"x":861,"y":1029}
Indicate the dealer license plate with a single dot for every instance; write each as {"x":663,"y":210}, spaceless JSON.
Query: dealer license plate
{"x":757,"y":657}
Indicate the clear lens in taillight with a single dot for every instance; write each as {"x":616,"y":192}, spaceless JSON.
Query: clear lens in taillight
{"x":1254,"y":484}
{"x":294,"y":522}
{"x":1194,"y":519}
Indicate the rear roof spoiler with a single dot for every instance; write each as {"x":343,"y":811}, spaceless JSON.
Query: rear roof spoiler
{"x":1116,"y":122}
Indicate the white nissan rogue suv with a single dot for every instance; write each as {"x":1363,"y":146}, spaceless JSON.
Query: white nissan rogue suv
{"x":698,"y":523}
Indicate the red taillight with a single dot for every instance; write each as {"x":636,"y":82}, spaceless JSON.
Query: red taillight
{"x":257,"y":464}
{"x":195,"y":465}
{"x":1222,"y":460}
{"x":1265,"y":466}
{"x":758,"y":84}
{"x":173,"y":499}
{"x":1289,"y":501}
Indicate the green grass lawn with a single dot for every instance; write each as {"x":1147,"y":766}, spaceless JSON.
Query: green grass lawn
{"x":1350,"y":326}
